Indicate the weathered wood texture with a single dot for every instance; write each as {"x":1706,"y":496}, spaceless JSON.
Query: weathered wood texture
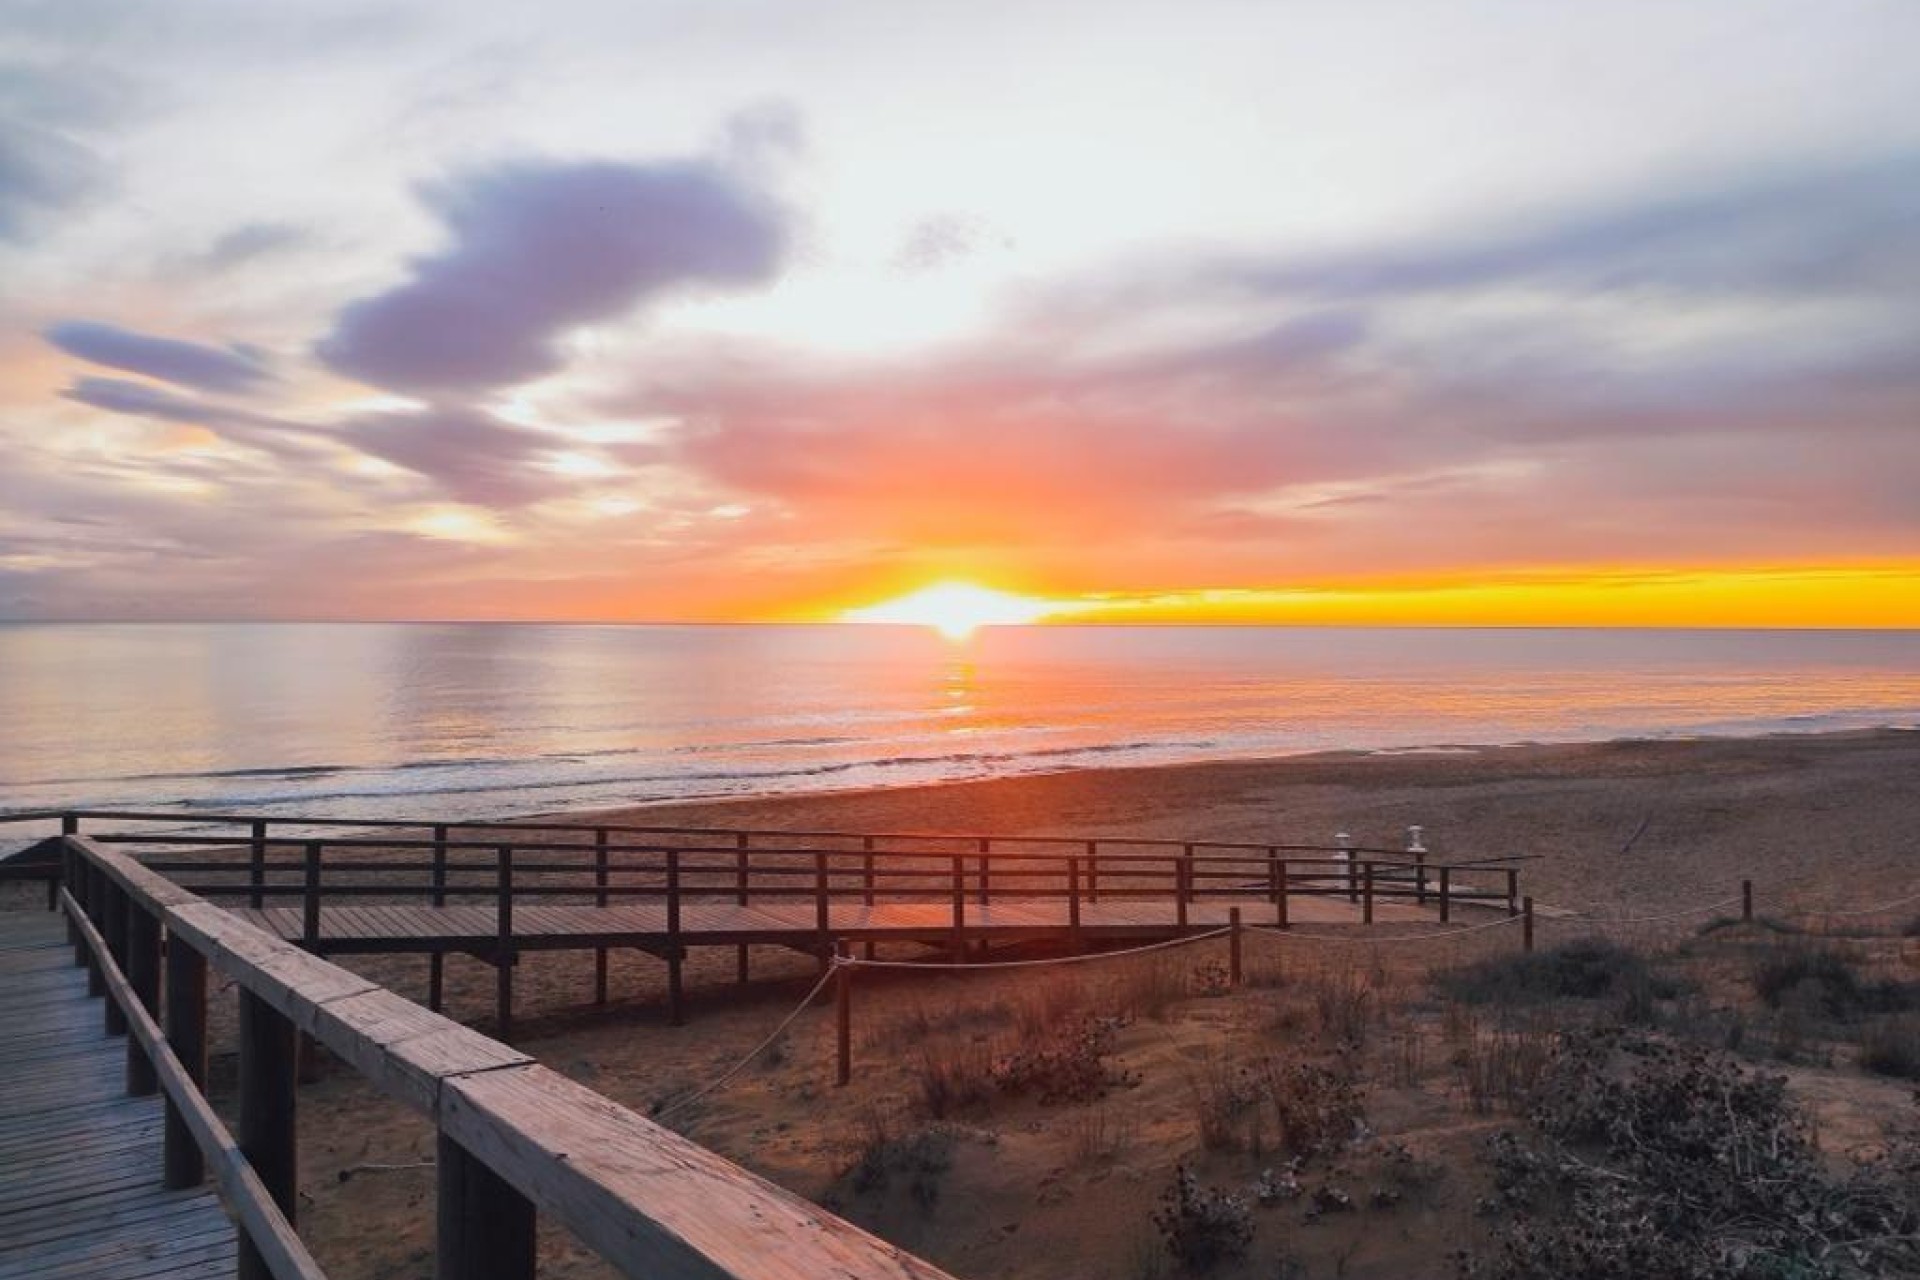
{"x":80,"y":1162}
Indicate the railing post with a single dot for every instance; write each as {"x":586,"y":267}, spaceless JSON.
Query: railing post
{"x":959,"y":909}
{"x":740,"y":843}
{"x":1526,"y":924}
{"x":822,"y":918}
{"x":843,"y":1017}
{"x":485,"y":1229}
{"x":437,"y":962}
{"x":1746,"y":900}
{"x":1513,"y":891}
{"x":268,"y":1136}
{"x":866,"y":868}
{"x":1446,"y":894}
{"x":1182,"y":872}
{"x":503,"y":956}
{"x":69,"y":824}
{"x":310,"y":899}
{"x":600,"y":900}
{"x":116,"y":936}
{"x":1073,"y":899}
{"x":1280,"y":894}
{"x":186,"y":1010}
{"x":75,"y":876}
{"x":1366,"y":894}
{"x":143,"y":975}
{"x":94,"y":901}
{"x":1420,"y":877}
{"x":1345,"y":842}
{"x":986,"y":846}
{"x":257,"y":866}
{"x":1093,"y":871}
{"x":676,"y":954}
{"x":1233,"y":946}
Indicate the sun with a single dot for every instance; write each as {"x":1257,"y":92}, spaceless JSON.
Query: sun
{"x":955,"y":609}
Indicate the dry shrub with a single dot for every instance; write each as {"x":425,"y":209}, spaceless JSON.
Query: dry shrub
{"x":1150,"y":986}
{"x":1344,"y":1004}
{"x":1502,"y":1065}
{"x":1069,"y":1065}
{"x":1313,"y":1109}
{"x":922,"y":1157}
{"x":1101,"y":1133}
{"x":1646,"y":1157}
{"x":953,"y":1078}
{"x":1203,"y":1226}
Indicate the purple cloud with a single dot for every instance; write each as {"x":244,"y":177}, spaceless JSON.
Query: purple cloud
{"x":541,"y":248}
{"x":190,"y":364}
{"x":472,"y":457}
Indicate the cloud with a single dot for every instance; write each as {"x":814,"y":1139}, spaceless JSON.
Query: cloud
{"x":252,"y":240}
{"x":190,"y":364}
{"x":42,"y":175}
{"x":472,"y":456}
{"x":539,"y":249}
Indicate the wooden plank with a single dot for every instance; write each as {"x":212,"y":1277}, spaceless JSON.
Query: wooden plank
{"x":649,"y":1201}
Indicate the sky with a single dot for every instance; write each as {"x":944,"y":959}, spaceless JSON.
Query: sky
{"x":731,"y":310}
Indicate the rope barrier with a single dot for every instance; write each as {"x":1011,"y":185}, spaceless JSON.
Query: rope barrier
{"x":681,"y":1104}
{"x":1884,"y":907}
{"x":1029,"y":964}
{"x":1286,"y":935}
{"x":1671,"y":915}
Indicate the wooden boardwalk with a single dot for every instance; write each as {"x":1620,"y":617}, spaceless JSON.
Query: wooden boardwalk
{"x":80,"y":1192}
{"x":413,"y":927}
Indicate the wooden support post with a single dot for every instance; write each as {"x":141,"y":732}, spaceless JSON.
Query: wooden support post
{"x":485,"y":1229}
{"x":69,"y":824}
{"x":1746,"y":900}
{"x":1280,"y":899}
{"x":1513,"y":892}
{"x":986,"y":846}
{"x":437,"y":962}
{"x":744,"y":892}
{"x":866,"y":870}
{"x":76,"y":878}
{"x":143,"y":975}
{"x":600,"y":900}
{"x":676,"y":953}
{"x":1446,"y":894}
{"x":1182,"y":872}
{"x":257,"y":866}
{"x":1233,"y":946}
{"x":959,"y":909}
{"x":1273,"y":876}
{"x":1093,"y":871}
{"x":1420,"y":876}
{"x":843,"y":1018}
{"x":1353,"y":879}
{"x":1073,"y":900}
{"x":186,"y":1013}
{"x":116,"y":936}
{"x":503,"y":953}
{"x":1526,"y":924}
{"x":267,"y":1131}
{"x":96,"y":911}
{"x":1366,"y":894}
{"x":310,"y":899}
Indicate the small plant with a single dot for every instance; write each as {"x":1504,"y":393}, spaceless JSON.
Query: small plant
{"x":1211,"y":978}
{"x":1317,"y":1109}
{"x":952,"y":1079}
{"x":1203,"y":1226}
{"x":921,"y":1157}
{"x":1100,"y":1133}
{"x":1588,"y":969}
{"x":1343,"y":1006}
{"x":1070,"y":1068}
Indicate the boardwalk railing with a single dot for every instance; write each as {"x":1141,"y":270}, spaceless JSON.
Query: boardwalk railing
{"x":308,"y":863}
{"x":514,"y":1139}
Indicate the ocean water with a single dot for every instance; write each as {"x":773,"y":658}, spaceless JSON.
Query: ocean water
{"x":480,"y":720}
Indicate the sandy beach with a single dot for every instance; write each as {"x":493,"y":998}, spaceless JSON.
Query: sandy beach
{"x":1616,"y":829}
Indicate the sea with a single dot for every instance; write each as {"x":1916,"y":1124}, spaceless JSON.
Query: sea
{"x":493,"y":720}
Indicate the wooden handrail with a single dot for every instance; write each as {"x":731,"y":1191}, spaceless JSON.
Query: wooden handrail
{"x":513,"y":1135}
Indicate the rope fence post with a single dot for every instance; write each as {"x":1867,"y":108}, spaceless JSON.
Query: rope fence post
{"x":843,"y":1017}
{"x":1526,"y":923}
{"x":1513,"y":892}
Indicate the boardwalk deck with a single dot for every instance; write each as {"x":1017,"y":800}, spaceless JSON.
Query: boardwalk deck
{"x":80,"y":1190}
{"x":414,"y":927}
